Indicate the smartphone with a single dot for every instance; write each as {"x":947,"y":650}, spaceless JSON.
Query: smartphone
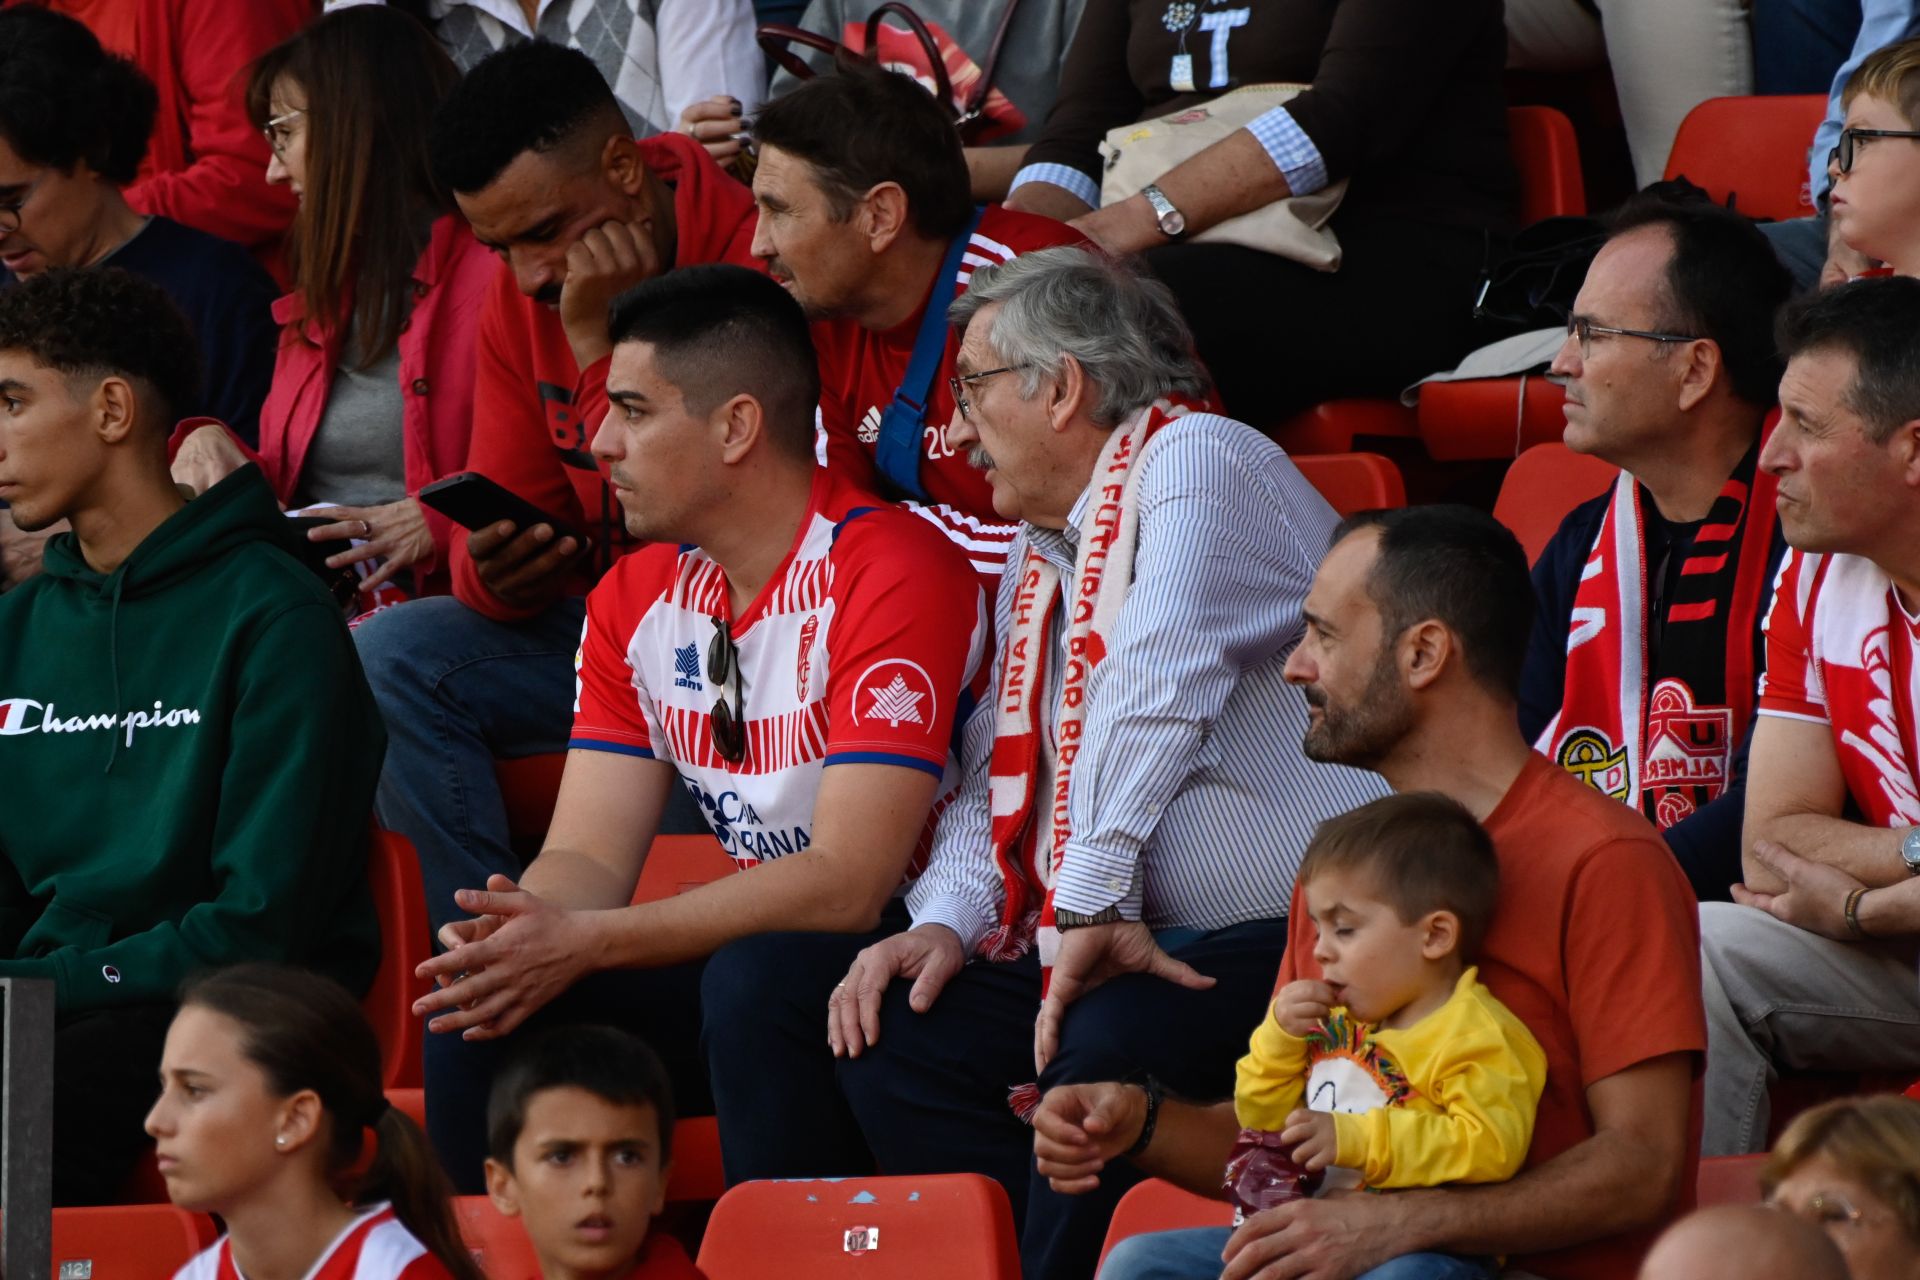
{"x":475,"y":502}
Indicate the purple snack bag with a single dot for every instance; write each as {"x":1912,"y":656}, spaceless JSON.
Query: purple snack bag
{"x":1261,"y":1173}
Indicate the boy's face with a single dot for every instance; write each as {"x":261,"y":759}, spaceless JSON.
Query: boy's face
{"x":586,"y":1181}
{"x":1376,"y":963}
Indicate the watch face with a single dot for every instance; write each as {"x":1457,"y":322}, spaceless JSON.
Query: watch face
{"x":1910,"y":850}
{"x":1173,"y":222}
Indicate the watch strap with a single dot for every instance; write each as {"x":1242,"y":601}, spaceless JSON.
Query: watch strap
{"x":1155,"y":1092}
{"x":1081,"y":920}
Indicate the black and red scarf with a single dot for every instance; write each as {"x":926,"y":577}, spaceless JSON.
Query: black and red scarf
{"x":1659,"y":731}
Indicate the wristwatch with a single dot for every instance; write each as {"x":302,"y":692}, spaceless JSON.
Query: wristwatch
{"x":1910,"y":851}
{"x":1173,"y":223}
{"x":1064,"y":920}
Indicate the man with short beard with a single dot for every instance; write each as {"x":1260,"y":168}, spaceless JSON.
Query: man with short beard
{"x":1417,"y":624}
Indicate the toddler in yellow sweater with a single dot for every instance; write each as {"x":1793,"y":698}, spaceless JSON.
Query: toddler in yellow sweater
{"x":1396,"y":1067}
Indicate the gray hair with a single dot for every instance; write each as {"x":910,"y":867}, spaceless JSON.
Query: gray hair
{"x":1123,"y":329}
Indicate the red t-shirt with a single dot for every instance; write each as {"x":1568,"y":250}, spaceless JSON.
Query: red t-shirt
{"x":865,"y":646}
{"x":535,"y":410}
{"x":1596,"y":947}
{"x":860,"y":370}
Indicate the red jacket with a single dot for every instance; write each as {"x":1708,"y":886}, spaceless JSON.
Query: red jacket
{"x":206,"y":165}
{"x":535,"y":410}
{"x":450,"y":282}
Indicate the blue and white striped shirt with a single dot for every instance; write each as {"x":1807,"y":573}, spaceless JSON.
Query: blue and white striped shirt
{"x":1192,"y":803}
{"x":1293,"y":153}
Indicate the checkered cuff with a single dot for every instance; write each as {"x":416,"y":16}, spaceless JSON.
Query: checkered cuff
{"x":1064,"y":176}
{"x":1291,"y":150}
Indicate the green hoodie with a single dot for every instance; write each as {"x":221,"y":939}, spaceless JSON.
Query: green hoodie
{"x":188,"y":750}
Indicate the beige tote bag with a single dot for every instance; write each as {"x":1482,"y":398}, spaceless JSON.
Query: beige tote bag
{"x":1295,"y":228}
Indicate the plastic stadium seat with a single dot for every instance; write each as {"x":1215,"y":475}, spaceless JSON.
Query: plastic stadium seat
{"x":676,"y":864}
{"x":1541,"y":486}
{"x":1332,"y":427}
{"x":955,"y":1226}
{"x":1488,"y":418}
{"x":1353,"y":482}
{"x":127,"y":1242}
{"x":1729,"y":1180}
{"x":1752,"y":149}
{"x":1154,"y":1205}
{"x":1547,"y":157}
{"x":405,"y":942}
{"x":498,"y":1243}
{"x":529,"y":787}
{"x":1913,"y":1091}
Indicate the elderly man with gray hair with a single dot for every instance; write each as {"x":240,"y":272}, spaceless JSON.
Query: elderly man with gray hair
{"x":1118,"y":861}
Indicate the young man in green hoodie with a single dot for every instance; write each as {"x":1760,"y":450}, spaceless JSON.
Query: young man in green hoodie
{"x":188,"y":745}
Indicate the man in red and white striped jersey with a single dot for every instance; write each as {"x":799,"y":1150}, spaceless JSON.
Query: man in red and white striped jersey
{"x":794,"y":652}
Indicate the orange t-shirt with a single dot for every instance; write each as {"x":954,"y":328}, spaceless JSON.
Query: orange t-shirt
{"x":1596,"y":947}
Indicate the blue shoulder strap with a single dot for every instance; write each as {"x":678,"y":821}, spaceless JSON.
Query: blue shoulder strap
{"x":898,"y":451}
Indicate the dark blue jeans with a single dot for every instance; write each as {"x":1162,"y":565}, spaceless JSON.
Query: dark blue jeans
{"x":931,"y":1097}
{"x":1799,"y":45}
{"x":1194,"y":1254}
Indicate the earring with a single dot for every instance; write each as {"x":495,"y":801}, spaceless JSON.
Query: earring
{"x":280,"y":1141}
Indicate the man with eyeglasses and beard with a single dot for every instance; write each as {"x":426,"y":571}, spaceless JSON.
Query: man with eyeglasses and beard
{"x":792,"y":651}
{"x":1641,"y":669}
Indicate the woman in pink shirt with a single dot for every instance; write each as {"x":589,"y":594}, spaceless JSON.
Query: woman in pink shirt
{"x":372,"y":394}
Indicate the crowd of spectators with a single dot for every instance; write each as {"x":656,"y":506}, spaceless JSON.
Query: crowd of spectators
{"x":878,"y":484}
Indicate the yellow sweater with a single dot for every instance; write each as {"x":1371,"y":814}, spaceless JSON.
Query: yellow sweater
{"x":1449,"y":1099}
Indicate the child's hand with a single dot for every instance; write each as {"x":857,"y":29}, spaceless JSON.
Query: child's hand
{"x":1312,"y":1137}
{"x":1302,"y":1006}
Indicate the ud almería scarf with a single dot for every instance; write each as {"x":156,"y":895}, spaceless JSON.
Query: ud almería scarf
{"x":1659,"y":734}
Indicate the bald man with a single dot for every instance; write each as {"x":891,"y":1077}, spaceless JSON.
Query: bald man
{"x":1743,"y":1242}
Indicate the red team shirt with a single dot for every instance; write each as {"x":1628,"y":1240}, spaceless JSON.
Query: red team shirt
{"x":865,"y":646}
{"x":860,"y":370}
{"x":376,"y":1246}
{"x":1848,"y":664}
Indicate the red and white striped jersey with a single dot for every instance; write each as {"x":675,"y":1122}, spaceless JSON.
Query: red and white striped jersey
{"x":375,"y":1246}
{"x":867,"y":646}
{"x":860,"y":369}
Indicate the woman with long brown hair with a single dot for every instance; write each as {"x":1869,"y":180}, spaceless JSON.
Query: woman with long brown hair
{"x":272,"y":1116}
{"x":372,"y":394}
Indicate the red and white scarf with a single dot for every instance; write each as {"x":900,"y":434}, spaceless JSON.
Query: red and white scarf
{"x":1029,"y":839}
{"x":1665,"y":745}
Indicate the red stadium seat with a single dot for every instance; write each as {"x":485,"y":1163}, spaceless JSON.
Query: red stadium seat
{"x":676,"y":864}
{"x":405,"y":943}
{"x":955,"y":1226}
{"x":1547,"y":157}
{"x":1541,"y":486}
{"x":127,"y":1242}
{"x":1486,"y":418}
{"x":529,"y":787}
{"x":1753,"y":150}
{"x":1353,"y":482}
{"x":1913,"y":1091}
{"x":498,"y":1243}
{"x":1729,"y":1180}
{"x":1154,"y":1205}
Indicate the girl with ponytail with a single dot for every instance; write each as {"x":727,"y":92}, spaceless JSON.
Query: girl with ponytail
{"x":272,"y":1116}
